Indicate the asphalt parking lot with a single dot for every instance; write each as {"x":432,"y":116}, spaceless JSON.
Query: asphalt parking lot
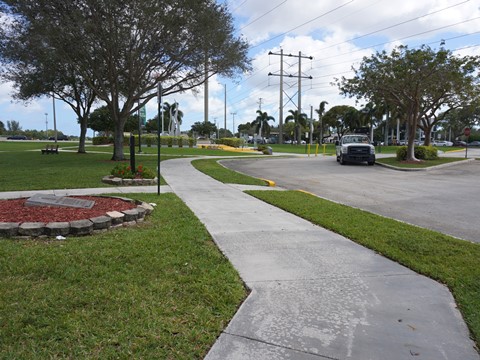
{"x":445,"y":199}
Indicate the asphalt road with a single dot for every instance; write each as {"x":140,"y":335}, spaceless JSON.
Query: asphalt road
{"x":445,"y":199}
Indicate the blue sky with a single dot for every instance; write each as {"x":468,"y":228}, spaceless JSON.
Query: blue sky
{"x":337,"y":36}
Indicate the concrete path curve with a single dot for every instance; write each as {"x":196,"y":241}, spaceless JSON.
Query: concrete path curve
{"x":315,"y":294}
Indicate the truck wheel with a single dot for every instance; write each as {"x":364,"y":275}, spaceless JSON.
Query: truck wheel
{"x":371,"y":163}
{"x":342,"y":162}
{"x":338,"y":159}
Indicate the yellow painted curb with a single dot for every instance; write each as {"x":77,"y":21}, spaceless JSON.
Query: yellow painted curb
{"x":269,"y":182}
{"x":307,"y":192}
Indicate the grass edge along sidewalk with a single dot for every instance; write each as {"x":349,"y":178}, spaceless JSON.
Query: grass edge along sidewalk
{"x":161,"y":289}
{"x":450,"y":261}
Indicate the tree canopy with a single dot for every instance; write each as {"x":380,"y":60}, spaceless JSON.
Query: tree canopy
{"x":123,"y":49}
{"x":417,"y":82}
{"x":203,"y":128}
{"x":343,"y":118}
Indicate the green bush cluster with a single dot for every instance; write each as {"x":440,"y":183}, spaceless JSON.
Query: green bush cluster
{"x":421,"y":153}
{"x":176,"y":140}
{"x":264,"y":149}
{"x":233,"y":142}
{"x":102,"y":140}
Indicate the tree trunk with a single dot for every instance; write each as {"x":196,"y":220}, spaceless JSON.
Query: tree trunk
{"x":118,"y":154}
{"x":412,"y":128}
{"x":83,"y":134}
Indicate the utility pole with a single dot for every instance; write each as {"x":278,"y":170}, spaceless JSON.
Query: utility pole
{"x":299,"y":76}
{"x":260,"y":101}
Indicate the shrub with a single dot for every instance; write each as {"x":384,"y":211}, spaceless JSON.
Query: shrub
{"x":421,"y":153}
{"x":102,"y":140}
{"x":233,"y":142}
{"x":191,"y":142}
{"x":402,"y":153}
{"x":144,"y":173}
{"x":431,"y":153}
{"x":149,"y":140}
{"x":180,"y":142}
{"x":124,"y":171}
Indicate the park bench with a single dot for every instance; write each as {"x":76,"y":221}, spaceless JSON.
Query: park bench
{"x":50,"y":149}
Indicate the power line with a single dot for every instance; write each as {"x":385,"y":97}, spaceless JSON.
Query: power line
{"x":263,"y":15}
{"x":393,"y":26}
{"x":303,"y":24}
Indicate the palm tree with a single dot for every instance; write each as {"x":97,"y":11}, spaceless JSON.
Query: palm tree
{"x":261,"y":122}
{"x":320,"y":111}
{"x":300,"y":119}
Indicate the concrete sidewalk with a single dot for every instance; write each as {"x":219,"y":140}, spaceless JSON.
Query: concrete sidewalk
{"x":315,"y":294}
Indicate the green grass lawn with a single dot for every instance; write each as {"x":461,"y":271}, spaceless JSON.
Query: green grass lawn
{"x":30,"y":170}
{"x":160,"y":290}
{"x":424,"y":164}
{"x":173,"y":151}
{"x":222,"y":174}
{"x":451,"y":261}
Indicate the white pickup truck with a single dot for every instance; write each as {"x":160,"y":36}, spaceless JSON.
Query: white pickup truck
{"x":355,"y":148}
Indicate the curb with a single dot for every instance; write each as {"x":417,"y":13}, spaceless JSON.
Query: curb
{"x":425,"y":169}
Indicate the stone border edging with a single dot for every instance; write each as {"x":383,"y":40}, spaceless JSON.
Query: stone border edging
{"x":112,"y":219}
{"x":112,"y":180}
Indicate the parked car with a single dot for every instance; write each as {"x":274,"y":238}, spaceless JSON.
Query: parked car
{"x":17,"y":137}
{"x":459,"y":143}
{"x":474,"y":143}
{"x":442,"y":143}
{"x":59,"y":137}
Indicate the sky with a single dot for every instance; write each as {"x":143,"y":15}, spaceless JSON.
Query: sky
{"x":336,"y":35}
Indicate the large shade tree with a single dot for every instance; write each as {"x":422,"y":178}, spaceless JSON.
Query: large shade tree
{"x":417,"y":82}
{"x":456,"y":120}
{"x":344,"y":118}
{"x":124,"y":49}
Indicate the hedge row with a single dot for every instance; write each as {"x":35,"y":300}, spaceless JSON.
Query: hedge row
{"x":233,"y":142}
{"x":149,"y":140}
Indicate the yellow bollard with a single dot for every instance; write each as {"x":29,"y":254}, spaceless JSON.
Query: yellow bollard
{"x":316,"y":150}
{"x":308,"y":151}
{"x":324,"y":149}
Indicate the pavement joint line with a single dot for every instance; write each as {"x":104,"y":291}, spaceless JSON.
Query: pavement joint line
{"x":280,"y":346}
{"x":333,"y":277}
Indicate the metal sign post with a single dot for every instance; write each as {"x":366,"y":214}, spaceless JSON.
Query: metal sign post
{"x":466,"y":132}
{"x":159,"y":100}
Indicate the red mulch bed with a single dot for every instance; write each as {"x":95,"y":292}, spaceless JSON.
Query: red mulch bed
{"x":14,"y":210}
